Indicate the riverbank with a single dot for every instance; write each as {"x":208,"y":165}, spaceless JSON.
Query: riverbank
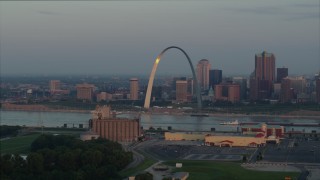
{"x":300,"y":114}
{"x":37,"y":108}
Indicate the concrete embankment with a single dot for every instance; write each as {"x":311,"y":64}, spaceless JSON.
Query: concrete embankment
{"x":37,"y":107}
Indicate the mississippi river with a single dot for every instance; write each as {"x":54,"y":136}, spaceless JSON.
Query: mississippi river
{"x":176,"y":122}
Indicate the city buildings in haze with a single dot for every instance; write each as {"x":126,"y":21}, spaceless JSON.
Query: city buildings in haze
{"x":54,"y":86}
{"x":85,"y":91}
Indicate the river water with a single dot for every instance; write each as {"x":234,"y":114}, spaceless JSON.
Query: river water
{"x":176,"y":122}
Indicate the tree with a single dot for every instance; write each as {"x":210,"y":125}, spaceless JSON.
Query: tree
{"x":35,"y":163}
{"x":144,"y":176}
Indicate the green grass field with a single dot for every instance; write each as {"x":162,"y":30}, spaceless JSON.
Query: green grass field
{"x":20,"y":144}
{"x":225,"y":170}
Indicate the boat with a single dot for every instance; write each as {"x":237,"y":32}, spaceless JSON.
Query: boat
{"x":200,"y":115}
{"x":235,"y":122}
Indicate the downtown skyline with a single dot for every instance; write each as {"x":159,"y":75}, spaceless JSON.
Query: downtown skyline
{"x":125,"y":37}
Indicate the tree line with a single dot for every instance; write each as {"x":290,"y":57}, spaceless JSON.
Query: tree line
{"x":6,"y":131}
{"x":66,"y":157}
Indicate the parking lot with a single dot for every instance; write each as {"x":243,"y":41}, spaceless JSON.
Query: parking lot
{"x":294,"y":151}
{"x":195,"y":150}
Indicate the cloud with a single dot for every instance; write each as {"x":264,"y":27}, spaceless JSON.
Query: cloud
{"x":306,"y":5}
{"x":260,"y":10}
{"x":307,"y":15}
{"x":48,"y":12}
{"x":285,"y":12}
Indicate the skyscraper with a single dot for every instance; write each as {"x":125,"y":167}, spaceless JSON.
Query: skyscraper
{"x":215,"y":77}
{"x":286,"y":91}
{"x":318,"y":90}
{"x":203,"y":69}
{"x":264,"y":76}
{"x":134,"y":89}
{"x":181,"y":90}
{"x":281,"y":73}
{"x":265,"y":66}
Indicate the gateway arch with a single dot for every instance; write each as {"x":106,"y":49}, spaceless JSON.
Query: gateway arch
{"x":153,"y":72}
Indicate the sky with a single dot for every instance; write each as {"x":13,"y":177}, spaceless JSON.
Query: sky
{"x":125,"y":37}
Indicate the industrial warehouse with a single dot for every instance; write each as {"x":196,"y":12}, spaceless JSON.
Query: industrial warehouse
{"x":105,"y":124}
{"x":250,"y":136}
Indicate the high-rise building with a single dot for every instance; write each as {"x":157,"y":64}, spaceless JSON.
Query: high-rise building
{"x":264,"y":76}
{"x":286,"y":94}
{"x":293,"y":88}
{"x":253,"y":89}
{"x":318,"y":90}
{"x":190,"y":86}
{"x":265,"y":66}
{"x":227,"y":92}
{"x":215,"y":77}
{"x":181,"y":91}
{"x":203,"y":69}
{"x":85,"y":91}
{"x":298,"y":84}
{"x":54,"y":85}
{"x":134,"y":89}
{"x":281,"y":73}
{"x":243,"y":86}
{"x":173,"y":85}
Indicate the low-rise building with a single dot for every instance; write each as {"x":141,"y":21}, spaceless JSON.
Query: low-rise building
{"x":232,"y":140}
{"x":250,"y":136}
{"x":180,"y":136}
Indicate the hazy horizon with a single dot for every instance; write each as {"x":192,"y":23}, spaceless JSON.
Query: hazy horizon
{"x":110,"y":37}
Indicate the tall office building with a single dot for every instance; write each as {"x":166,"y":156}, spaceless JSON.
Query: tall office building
{"x":243,"y":86}
{"x":293,"y":88}
{"x":134,"y":89}
{"x":227,"y":92}
{"x":286,"y":94}
{"x":318,"y":90}
{"x":190,"y":87}
{"x":181,"y":90}
{"x":215,"y":77}
{"x":203,"y":69}
{"x":54,"y":85}
{"x":173,"y":85}
{"x":85,"y":91}
{"x":265,"y":66}
{"x":281,"y":73}
{"x":264,"y":76}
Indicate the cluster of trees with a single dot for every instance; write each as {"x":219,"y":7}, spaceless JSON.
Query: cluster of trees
{"x":65,"y":157}
{"x":6,"y":131}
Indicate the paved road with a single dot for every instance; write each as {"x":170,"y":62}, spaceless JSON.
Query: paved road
{"x":137,"y":158}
